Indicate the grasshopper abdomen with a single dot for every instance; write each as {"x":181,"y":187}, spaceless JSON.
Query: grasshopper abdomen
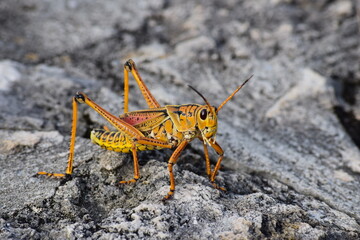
{"x":116,"y":141}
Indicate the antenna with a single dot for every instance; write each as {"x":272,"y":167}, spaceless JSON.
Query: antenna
{"x":206,"y":101}
{"x":228,"y":99}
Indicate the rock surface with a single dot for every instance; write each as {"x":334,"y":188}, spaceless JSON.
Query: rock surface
{"x":291,"y":135}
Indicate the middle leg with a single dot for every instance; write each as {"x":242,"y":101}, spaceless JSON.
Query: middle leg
{"x":136,"y":166}
{"x":171,"y":163}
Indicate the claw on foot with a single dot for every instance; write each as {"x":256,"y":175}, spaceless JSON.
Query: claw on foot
{"x":129,"y":181}
{"x":169,"y":195}
{"x":218,"y":187}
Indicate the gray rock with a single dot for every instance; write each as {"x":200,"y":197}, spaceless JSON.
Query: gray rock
{"x":290,"y":136}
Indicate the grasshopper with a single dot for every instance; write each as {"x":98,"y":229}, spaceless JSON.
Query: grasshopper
{"x":172,"y":126}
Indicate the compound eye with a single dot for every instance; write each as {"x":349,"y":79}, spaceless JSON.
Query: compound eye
{"x":203,"y":114}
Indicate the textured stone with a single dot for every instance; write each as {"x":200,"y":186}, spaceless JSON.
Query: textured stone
{"x":292,"y":160}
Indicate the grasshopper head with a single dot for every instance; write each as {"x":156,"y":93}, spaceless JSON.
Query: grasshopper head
{"x":207,"y":115}
{"x":207,"y":121}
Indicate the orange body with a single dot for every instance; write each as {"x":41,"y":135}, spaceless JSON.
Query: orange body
{"x":172,"y":124}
